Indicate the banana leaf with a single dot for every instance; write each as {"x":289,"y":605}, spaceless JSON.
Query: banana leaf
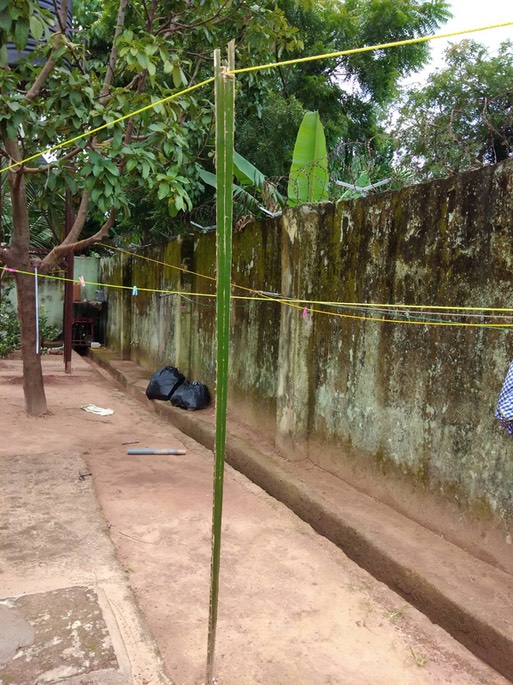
{"x":242,"y":195}
{"x":308,"y":178}
{"x":249,"y":175}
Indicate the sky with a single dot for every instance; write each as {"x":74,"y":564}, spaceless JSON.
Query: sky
{"x":469,"y":14}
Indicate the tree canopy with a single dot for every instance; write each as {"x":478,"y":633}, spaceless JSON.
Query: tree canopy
{"x":349,"y":91}
{"x":123,"y":56}
{"x":462,"y":118}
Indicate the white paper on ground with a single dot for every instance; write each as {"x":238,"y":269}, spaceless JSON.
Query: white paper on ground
{"x":93,"y":409}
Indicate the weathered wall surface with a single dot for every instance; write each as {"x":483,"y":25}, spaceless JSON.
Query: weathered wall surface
{"x":406,"y":401}
{"x":51,"y":292}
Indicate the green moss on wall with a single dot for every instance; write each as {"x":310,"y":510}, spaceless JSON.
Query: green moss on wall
{"x":416,"y":399}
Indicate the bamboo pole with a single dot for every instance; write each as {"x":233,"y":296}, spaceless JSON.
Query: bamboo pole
{"x":224,"y":113}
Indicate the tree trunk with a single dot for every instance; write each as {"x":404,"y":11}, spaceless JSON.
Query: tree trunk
{"x":18,"y":257}
{"x":33,"y":388}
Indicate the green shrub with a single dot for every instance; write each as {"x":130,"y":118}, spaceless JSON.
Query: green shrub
{"x":9,"y":326}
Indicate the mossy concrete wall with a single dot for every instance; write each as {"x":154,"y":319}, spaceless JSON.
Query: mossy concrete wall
{"x":405,"y":401}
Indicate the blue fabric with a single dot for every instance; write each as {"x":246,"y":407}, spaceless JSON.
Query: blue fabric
{"x":504,"y":411}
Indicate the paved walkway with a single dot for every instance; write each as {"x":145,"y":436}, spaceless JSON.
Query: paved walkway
{"x":294,"y":609}
{"x":66,"y":611}
{"x":471,"y":599}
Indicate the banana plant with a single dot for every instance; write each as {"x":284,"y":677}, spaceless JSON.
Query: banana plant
{"x":309,"y":176}
{"x":308,"y":179}
{"x":248,"y":177}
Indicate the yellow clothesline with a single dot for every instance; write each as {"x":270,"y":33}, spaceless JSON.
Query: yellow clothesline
{"x":272,"y":65}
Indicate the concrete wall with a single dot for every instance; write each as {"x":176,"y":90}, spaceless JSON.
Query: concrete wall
{"x":394,"y":402}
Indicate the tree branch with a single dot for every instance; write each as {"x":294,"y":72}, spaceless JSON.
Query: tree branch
{"x":214,"y":19}
{"x":62,"y":25}
{"x":53,"y":258}
{"x":145,"y":9}
{"x":109,"y":76}
{"x":192,"y":78}
{"x":66,"y":247}
{"x":50,"y":64}
{"x":80,"y":219}
{"x":49,"y":167}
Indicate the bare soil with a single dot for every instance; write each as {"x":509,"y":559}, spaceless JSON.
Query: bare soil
{"x":293,"y":609}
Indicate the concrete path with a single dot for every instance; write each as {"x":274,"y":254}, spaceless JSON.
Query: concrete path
{"x":68,"y":614}
{"x":120,"y":594}
{"x":471,"y":599}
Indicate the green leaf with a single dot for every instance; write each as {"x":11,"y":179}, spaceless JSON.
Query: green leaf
{"x":56,"y":54}
{"x":76,"y":98}
{"x":171,"y":208}
{"x":21,"y":34}
{"x":247,"y":200}
{"x":246,"y":173}
{"x":112,"y":169}
{"x":308,"y":179}
{"x":143,"y":60}
{"x":95,"y":195}
{"x":36,"y":27}
{"x":352,"y":193}
{"x":207,"y":177}
{"x":51,"y":180}
{"x":242,"y":195}
{"x":145,"y":170}
{"x":117,"y":137}
{"x":178,"y":76}
{"x":5,"y":21}
{"x":12,"y":131}
{"x":131,"y":164}
{"x":71,"y":183}
{"x":163,"y":191}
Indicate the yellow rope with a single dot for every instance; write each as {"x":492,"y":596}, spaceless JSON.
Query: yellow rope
{"x":296,"y":304}
{"x":406,"y":321}
{"x":325,"y":303}
{"x":369,"y":48}
{"x":156,"y":261}
{"x":352,"y":51}
{"x":90,"y":132}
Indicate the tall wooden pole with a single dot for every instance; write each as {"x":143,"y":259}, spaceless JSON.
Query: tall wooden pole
{"x":224,"y":113}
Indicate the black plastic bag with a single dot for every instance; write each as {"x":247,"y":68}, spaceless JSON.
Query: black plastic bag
{"x":163,"y":383}
{"x":191,"y":396}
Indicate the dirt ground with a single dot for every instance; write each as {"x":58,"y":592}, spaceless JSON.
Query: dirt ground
{"x":293,"y":609}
